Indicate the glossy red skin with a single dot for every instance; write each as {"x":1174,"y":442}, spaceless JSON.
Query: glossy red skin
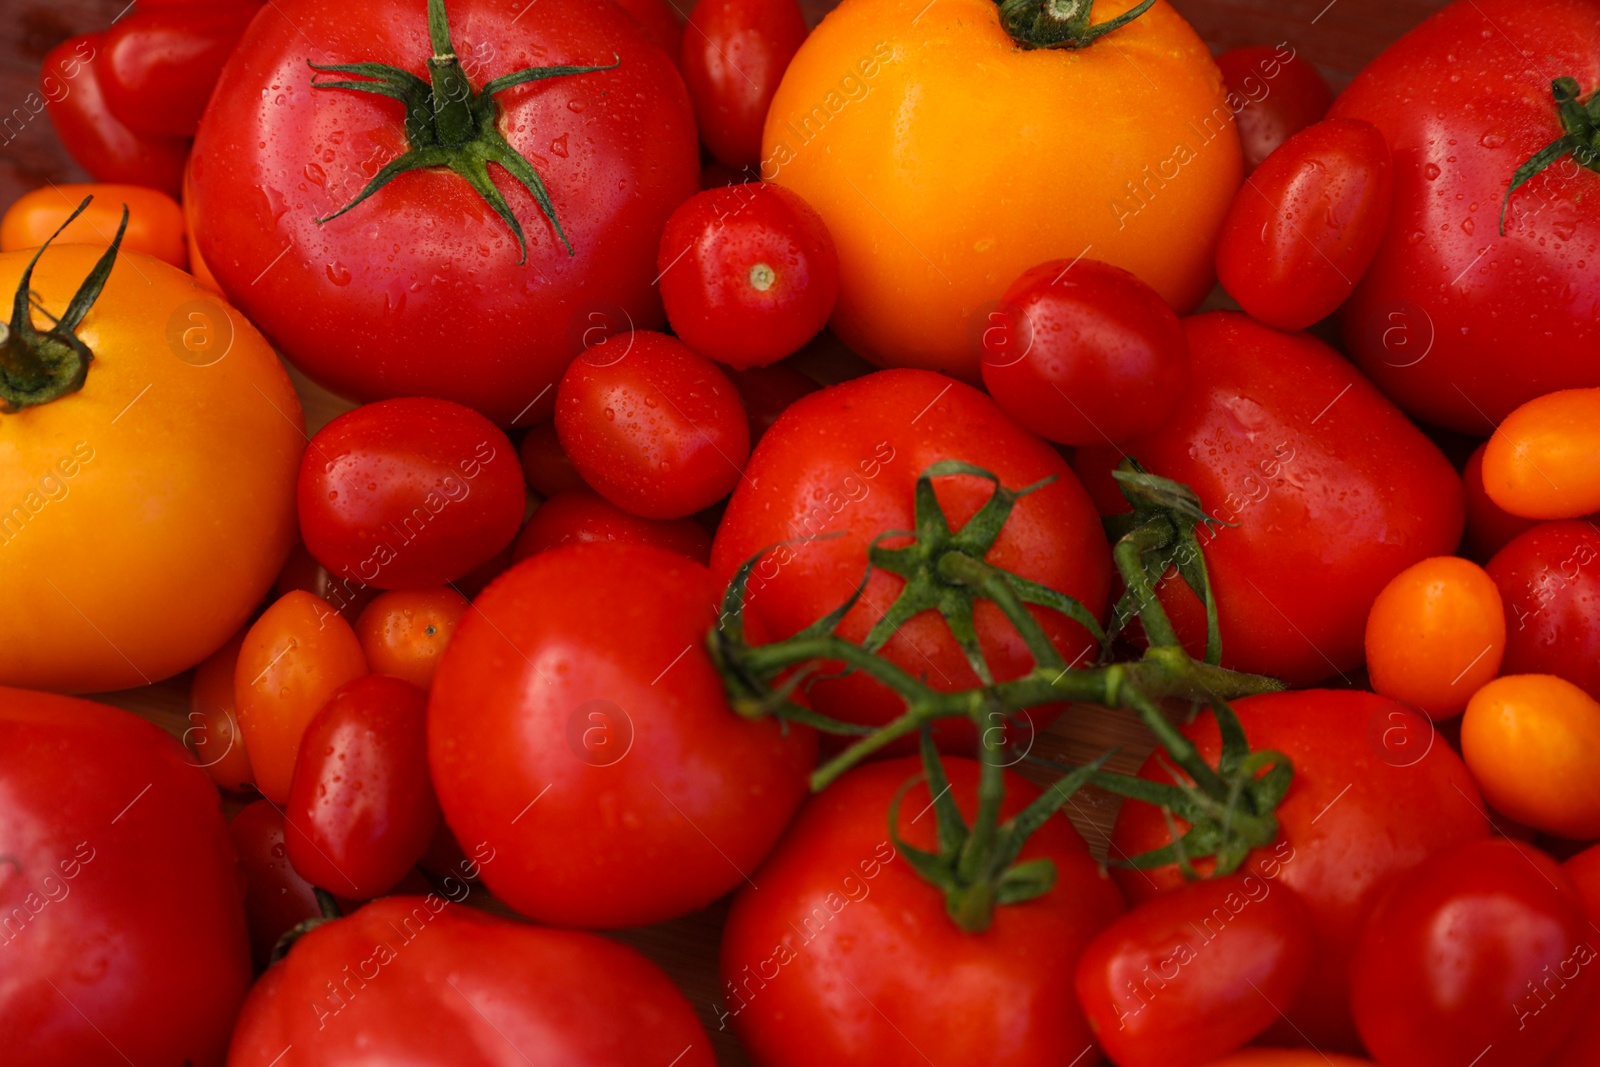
{"x":884,"y":976}
{"x":1275,"y":94}
{"x":732,"y":61}
{"x":1549,"y":581}
{"x":1489,"y":527}
{"x":276,"y":897}
{"x":1084,"y":353}
{"x":1306,"y":224}
{"x":1582,"y":1047}
{"x":476,"y":991}
{"x":547,"y":469}
{"x":708,"y":250}
{"x":405,"y":494}
{"x":1339,"y":848}
{"x":160,"y":66}
{"x":1333,"y":490}
{"x":581,"y":516}
{"x":767,"y":392}
{"x":658,"y":430}
{"x":624,"y":836}
{"x":418,"y":291}
{"x":1474,"y":931}
{"x":70,"y":83}
{"x":1193,"y":974}
{"x":660,"y":22}
{"x":844,"y":462}
{"x":346,"y":596}
{"x":122,"y":919}
{"x":1444,"y":281}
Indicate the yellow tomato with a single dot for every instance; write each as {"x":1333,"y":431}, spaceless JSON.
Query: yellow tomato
{"x":1543,"y":462}
{"x":1532,"y":741}
{"x":155,"y":222}
{"x":1436,"y":634}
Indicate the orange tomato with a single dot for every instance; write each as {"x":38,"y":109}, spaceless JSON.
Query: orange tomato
{"x":292,"y":660}
{"x":1543,"y":461}
{"x":197,"y":263}
{"x":213,"y":735}
{"x":155,"y":221}
{"x":1435,"y":635}
{"x":404,"y":633}
{"x":1532,"y":741}
{"x":946,"y":160}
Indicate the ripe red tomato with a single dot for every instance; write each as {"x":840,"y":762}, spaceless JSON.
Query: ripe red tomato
{"x":1375,"y":792}
{"x":581,"y":516}
{"x":1306,"y":224}
{"x":578,"y":726}
{"x":748,"y":272}
{"x":276,"y":896}
{"x":656,"y":429}
{"x":161,"y":65}
{"x":1489,"y":526}
{"x":346,"y":596}
{"x":548,"y":470}
{"x":660,"y":21}
{"x":123,"y":929}
{"x":1084,"y":353}
{"x":839,"y":952}
{"x":1582,"y":1048}
{"x":767,"y":393}
{"x":1549,"y":579}
{"x":1332,"y":491}
{"x":409,"y":493}
{"x":732,"y":62}
{"x":1275,"y":93}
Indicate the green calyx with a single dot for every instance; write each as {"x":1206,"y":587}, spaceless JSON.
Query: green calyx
{"x":1060,"y":23}
{"x":328,"y":911}
{"x":38,"y":366}
{"x":1580,"y":137}
{"x":450,"y":125}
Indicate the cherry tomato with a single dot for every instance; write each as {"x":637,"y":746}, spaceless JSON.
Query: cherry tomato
{"x":656,"y":429}
{"x":276,"y":897}
{"x":748,"y":272}
{"x":408,"y":493}
{"x":1549,"y":579}
{"x":767,"y":393}
{"x":1275,"y":93}
{"x":1306,"y":224}
{"x":1543,"y":461}
{"x":1287,"y":1057}
{"x":1195,"y":973}
{"x":1435,"y":635}
{"x":160,"y":66}
{"x":155,"y":221}
{"x":293,"y":659}
{"x":546,"y":467}
{"x":404,"y":633}
{"x":1532,"y":741}
{"x":213,"y":736}
{"x":345,"y":595}
{"x":582,"y":517}
{"x":475,"y":582}
{"x":1480,"y":955}
{"x":732,"y":61}
{"x":660,"y":21}
{"x":1083,"y":353}
{"x":1489,"y":527}
{"x":1582,"y":1048}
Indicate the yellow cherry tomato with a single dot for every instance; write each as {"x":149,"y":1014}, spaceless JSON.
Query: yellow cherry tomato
{"x":1532,"y":742}
{"x":1436,"y":634}
{"x":1543,"y":462}
{"x":155,"y":221}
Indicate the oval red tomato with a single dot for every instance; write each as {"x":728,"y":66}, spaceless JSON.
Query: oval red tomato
{"x":1549,"y":580}
{"x":733,"y":59}
{"x":160,"y":66}
{"x":581,"y":516}
{"x":1275,"y":93}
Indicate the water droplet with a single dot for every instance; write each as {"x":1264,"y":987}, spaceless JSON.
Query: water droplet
{"x":1492,"y":139}
{"x":314,"y":174}
{"x":1466,"y":226}
{"x":577,"y":106}
{"x":611,"y":415}
{"x":1431,"y":171}
{"x":559,"y":146}
{"x":338,"y":273}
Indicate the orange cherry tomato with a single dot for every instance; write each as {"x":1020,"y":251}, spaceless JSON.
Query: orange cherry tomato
{"x":155,"y":221}
{"x":1489,"y":526}
{"x":1544,"y":460}
{"x":292,"y":660}
{"x":213,"y":735}
{"x":403,"y":633}
{"x":1532,"y":741}
{"x":1435,"y":635}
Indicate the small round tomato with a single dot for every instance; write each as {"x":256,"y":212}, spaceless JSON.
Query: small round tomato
{"x":660,"y":21}
{"x":1479,"y":956}
{"x":213,"y":736}
{"x":1549,"y":579}
{"x":404,"y":633}
{"x":276,"y":897}
{"x":345,"y":595}
{"x":732,"y":62}
{"x":155,"y":221}
{"x":1541,"y":462}
{"x":293,"y":659}
{"x":161,"y":65}
{"x":748,"y":273}
{"x":1081,"y":352}
{"x":1435,"y":635}
{"x":1532,"y":741}
{"x":1489,"y":526}
{"x":1274,"y":93}
{"x":653,"y":427}
{"x":582,"y":516}
{"x":546,"y":467}
{"x":408,"y":493}
{"x":767,"y":393}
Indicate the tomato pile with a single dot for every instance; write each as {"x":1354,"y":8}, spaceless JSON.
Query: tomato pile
{"x":768,"y":459}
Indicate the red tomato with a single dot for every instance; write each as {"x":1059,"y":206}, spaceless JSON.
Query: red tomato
{"x":1274,"y":93}
{"x":405,"y":633}
{"x":1306,"y":224}
{"x":276,"y":897}
{"x":1375,"y":792}
{"x":1332,"y":490}
{"x":409,"y":493}
{"x":1489,"y":526}
{"x":748,"y":272}
{"x":839,"y":952}
{"x":583,"y":517}
{"x":124,"y":936}
{"x":1084,"y":353}
{"x":656,"y":429}
{"x":767,"y":393}
{"x":477,"y":991}
{"x":732,"y":63}
{"x":1582,"y":1048}
{"x":548,"y":470}
{"x":345,"y":595}
{"x":578,"y":726}
{"x":1486,"y":927}
{"x":160,"y":66}
{"x":1195,"y":973}
{"x":1549,"y":579}
{"x":213,"y":736}
{"x":660,"y":21}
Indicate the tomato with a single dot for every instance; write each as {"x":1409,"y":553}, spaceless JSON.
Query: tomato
{"x":616,"y":784}
{"x":1532,"y":741}
{"x":1332,"y":493}
{"x":1489,"y":527}
{"x":405,"y":633}
{"x":546,"y":467}
{"x":767,"y":392}
{"x":1194,"y":973}
{"x":732,"y":64}
{"x":160,"y":66}
{"x":660,"y":21}
{"x":582,"y":517}
{"x":656,"y":429}
{"x":1275,"y":93}
{"x":1307,"y":223}
{"x":1287,"y":1057}
{"x":213,"y":736}
{"x":1583,"y":1046}
{"x":1436,"y":635}
{"x":345,"y":595}
{"x":276,"y":897}
{"x":423,"y":289}
{"x":478,"y":991}
{"x":123,"y":929}
{"x":944,"y":157}
{"x":1375,"y":792}
{"x":1081,"y":352}
{"x":1480,"y":928}
{"x":749,"y":273}
{"x":1443,"y":317}
{"x":839,"y":952}
{"x":1540,"y":463}
{"x":294,"y":657}
{"x":840,"y":469}
{"x":155,"y":221}
{"x":1549,"y":579}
